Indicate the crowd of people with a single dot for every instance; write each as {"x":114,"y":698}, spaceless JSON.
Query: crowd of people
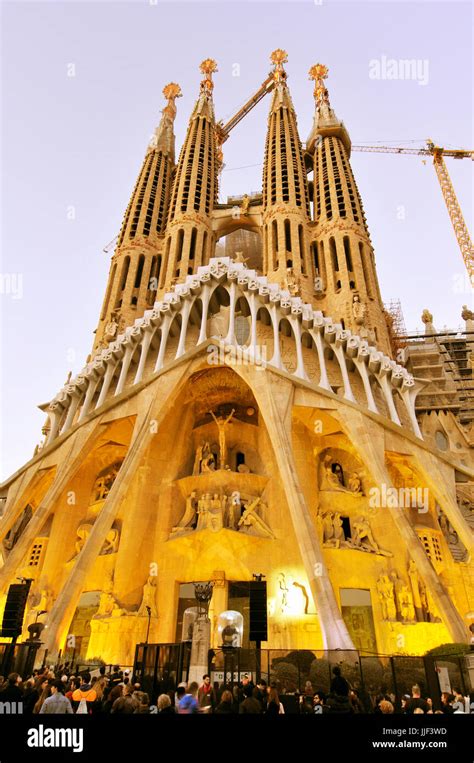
{"x":118,"y":692}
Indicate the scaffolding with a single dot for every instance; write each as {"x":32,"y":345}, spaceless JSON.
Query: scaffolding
{"x":455,"y":349}
{"x":396,"y":327}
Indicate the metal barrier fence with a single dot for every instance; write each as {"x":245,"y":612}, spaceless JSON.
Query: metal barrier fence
{"x":300,"y":670}
{"x":161,"y":667}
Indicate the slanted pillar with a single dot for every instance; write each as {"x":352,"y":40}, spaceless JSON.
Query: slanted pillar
{"x":274,"y":397}
{"x":81,"y":445}
{"x":66,"y":602}
{"x":370,"y":439}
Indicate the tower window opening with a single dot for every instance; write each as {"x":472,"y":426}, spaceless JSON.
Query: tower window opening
{"x":322,"y":263}
{"x":337,"y":179}
{"x":189,"y":165}
{"x":333,"y":251}
{"x":327,"y":192}
{"x":152,"y":282}
{"x":351,"y":185}
{"x":287,"y":235}
{"x":123,"y":281}
{"x":239,"y":459}
{"x":151,"y":199}
{"x":274,"y":244}
{"x":367,"y":279}
{"x":140,"y":197}
{"x":138,"y":275}
{"x":347,"y":252}
{"x":352,"y":284}
{"x":179,"y":246}
{"x":163,"y":196}
{"x":167,"y":254}
{"x":289,"y":263}
{"x":342,"y":323}
{"x":314,"y":247}
{"x":192,"y":248}
{"x":302,"y":253}
{"x":273,"y":159}
{"x":157,"y":270}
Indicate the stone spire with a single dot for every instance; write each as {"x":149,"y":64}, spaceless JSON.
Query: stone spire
{"x":286,"y":211}
{"x":345,"y":279}
{"x":136,"y":263}
{"x":189,"y":238}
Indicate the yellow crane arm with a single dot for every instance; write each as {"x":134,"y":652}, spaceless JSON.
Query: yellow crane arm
{"x":447,"y":189}
{"x":223,"y":130}
{"x":429,"y":151}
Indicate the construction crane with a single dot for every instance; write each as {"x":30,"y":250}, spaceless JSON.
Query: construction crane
{"x":110,"y":245}
{"x":223,"y":130}
{"x":447,"y":189}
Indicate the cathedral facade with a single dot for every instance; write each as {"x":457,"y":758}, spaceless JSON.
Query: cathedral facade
{"x":243,"y":412}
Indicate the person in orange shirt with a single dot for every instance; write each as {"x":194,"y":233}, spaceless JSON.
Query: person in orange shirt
{"x":86,"y":693}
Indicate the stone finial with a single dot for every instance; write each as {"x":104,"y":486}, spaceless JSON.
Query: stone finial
{"x":318,"y":73}
{"x":278,"y":58}
{"x":208,"y":67}
{"x":171,"y":92}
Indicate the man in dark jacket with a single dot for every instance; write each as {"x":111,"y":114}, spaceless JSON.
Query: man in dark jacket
{"x":262,"y":693}
{"x":116,"y":677}
{"x":11,"y":692}
{"x":339,"y":685}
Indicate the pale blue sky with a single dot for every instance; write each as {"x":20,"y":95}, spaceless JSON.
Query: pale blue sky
{"x":79,"y":141}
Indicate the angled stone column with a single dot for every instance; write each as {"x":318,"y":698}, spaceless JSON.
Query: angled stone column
{"x":111,"y":366}
{"x":323,"y":374}
{"x":275,"y":316}
{"x":232,"y":290}
{"x":144,"y":347}
{"x":125,"y":366}
{"x":93,"y":382}
{"x":17,"y":490}
{"x":205,"y":297}
{"x":158,"y":401}
{"x":338,"y":350}
{"x":300,"y":370}
{"x":387,"y":390}
{"x":184,"y":328}
{"x":370,"y":439}
{"x":275,"y":399}
{"x":79,"y":448}
{"x":165,"y":329}
{"x":73,"y":405}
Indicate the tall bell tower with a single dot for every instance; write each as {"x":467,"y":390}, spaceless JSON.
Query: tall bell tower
{"x":189,"y":238}
{"x":286,"y":212}
{"x":137,"y":261}
{"x":346,"y":284}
